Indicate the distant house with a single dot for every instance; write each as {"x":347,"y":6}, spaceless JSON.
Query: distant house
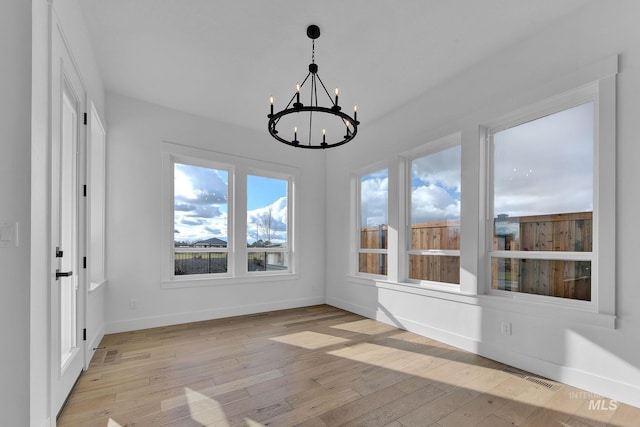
{"x":211,"y":243}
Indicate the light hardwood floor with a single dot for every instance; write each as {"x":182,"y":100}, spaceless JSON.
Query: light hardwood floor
{"x":315,"y":366}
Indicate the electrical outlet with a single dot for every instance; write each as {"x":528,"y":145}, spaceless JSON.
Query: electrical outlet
{"x":506,"y":328}
{"x":133,"y":304}
{"x":8,"y":234}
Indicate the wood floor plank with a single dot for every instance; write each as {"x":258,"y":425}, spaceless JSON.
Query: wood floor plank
{"x":624,"y":416}
{"x":314,"y":366}
{"x":361,"y":406}
{"x":399,"y":408}
{"x":220,"y":389}
{"x":436,"y":409}
{"x":313,"y":407}
{"x":557,"y":411}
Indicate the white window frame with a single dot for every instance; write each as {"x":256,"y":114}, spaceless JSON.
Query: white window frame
{"x":433,"y":147}
{"x":602,"y":257}
{"x":357,"y":191}
{"x":238,"y":169}
{"x":289,"y":179}
{"x":96,"y":200}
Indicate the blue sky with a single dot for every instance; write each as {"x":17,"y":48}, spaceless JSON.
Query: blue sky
{"x":264,"y":191}
{"x":544,"y":166}
{"x":541,"y":167}
{"x":374,"y":198}
{"x":435,"y":186}
{"x":435,"y":190}
{"x":266,"y":196}
{"x":201,"y":205}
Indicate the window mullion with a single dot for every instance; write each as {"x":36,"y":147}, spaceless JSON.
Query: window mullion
{"x":239,"y":191}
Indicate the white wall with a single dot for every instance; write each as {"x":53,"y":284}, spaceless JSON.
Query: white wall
{"x":134,"y":219}
{"x":599,"y":359}
{"x":39,"y":306}
{"x":69,"y":15}
{"x":15,"y":86}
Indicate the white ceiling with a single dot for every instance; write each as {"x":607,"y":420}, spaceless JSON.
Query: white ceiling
{"x":223,"y":59}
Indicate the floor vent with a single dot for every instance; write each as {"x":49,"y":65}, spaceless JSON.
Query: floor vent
{"x":534,"y":380}
{"x":111,"y":356}
{"x":540,"y":382}
{"x":104,"y":357}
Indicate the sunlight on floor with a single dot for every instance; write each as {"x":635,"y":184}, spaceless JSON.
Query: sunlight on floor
{"x":366,"y":326}
{"x":204,"y":409}
{"x":448,"y":385}
{"x":387,"y":357}
{"x":310,"y":340}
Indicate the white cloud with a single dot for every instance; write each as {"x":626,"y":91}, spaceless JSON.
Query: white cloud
{"x":255,"y":222}
{"x":374,"y":199}
{"x":545,"y":166}
{"x":435,"y":192}
{"x":200,"y":197}
{"x":441,"y":168}
{"x":431,"y":203}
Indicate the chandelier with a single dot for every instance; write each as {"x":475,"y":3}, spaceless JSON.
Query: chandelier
{"x":331,"y":127}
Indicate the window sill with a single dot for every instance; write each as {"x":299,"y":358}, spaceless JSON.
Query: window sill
{"x":365,"y":279}
{"x":209,"y":281}
{"x":432,"y":290}
{"x":556,"y":311}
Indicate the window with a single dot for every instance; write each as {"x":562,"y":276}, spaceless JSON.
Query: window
{"x":434,"y":240}
{"x":200,"y":220}
{"x":543,"y":204}
{"x":535,"y":228}
{"x":267,"y":219}
{"x":96,"y":209}
{"x":373,"y":222}
{"x":225,"y":218}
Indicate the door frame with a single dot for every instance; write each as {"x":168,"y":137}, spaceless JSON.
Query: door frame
{"x":63,"y":71}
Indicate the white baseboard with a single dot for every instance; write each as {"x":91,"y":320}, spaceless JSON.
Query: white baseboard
{"x":601,"y":386}
{"x":46,"y":423}
{"x":598,"y":385}
{"x":353,"y":308}
{"x":217,"y":313}
{"x":93,"y":343}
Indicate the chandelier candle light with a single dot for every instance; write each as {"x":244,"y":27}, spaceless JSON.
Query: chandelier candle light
{"x":298,"y":111}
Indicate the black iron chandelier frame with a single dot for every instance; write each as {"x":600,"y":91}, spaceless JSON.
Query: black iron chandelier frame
{"x":350,"y":123}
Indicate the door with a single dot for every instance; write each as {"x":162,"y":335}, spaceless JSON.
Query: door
{"x":67,"y":281}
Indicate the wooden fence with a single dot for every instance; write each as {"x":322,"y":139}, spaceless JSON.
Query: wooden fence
{"x":373,"y":238}
{"x":570,"y":232}
{"x":429,"y":235}
{"x":559,"y":232}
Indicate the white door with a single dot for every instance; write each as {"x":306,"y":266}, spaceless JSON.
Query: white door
{"x":67,"y":280}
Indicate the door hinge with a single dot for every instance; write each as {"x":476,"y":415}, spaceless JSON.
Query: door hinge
{"x":84,"y":262}
{"x":84,"y":334}
{"x":84,"y":190}
{"x":85,"y":118}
